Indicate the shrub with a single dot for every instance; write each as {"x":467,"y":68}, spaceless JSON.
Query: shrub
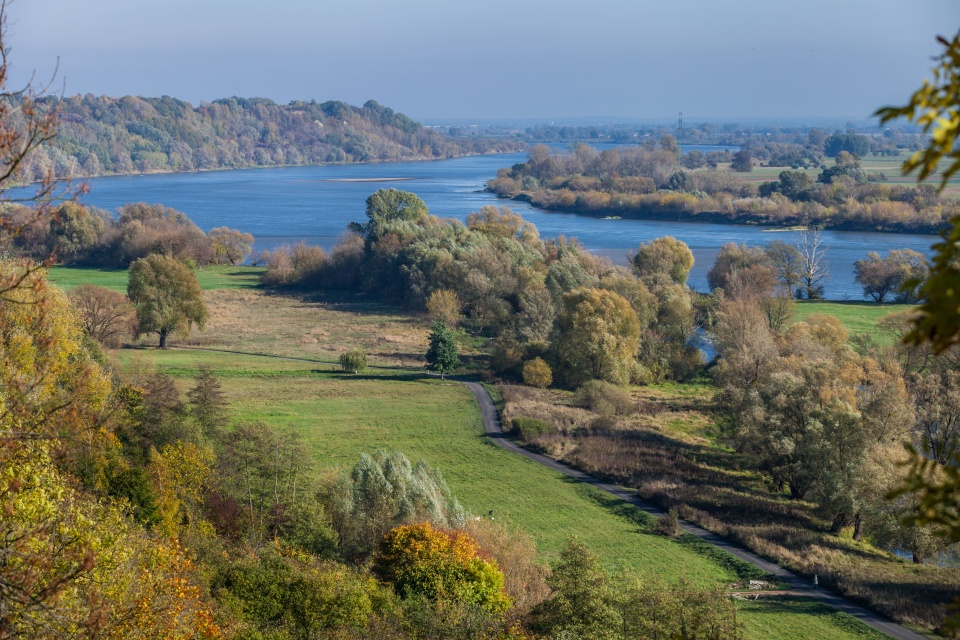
{"x":529,"y":428}
{"x":669,"y":524}
{"x":604,"y":398}
{"x":537,"y":373}
{"x":354,"y":361}
{"x":419,"y":560}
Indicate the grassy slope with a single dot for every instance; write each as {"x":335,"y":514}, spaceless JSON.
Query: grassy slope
{"x":800,"y":619}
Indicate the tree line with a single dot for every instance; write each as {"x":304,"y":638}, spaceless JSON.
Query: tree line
{"x":101,"y":135}
{"x":74,"y":234}
{"x":650,"y":181}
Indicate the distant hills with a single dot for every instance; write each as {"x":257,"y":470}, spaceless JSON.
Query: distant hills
{"x":101,"y":135}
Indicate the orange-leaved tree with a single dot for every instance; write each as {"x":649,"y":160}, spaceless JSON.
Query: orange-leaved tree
{"x":439,"y":565}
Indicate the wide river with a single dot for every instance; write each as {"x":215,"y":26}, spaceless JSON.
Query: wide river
{"x":289,"y":204}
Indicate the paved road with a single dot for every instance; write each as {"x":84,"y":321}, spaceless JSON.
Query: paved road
{"x":491,"y":424}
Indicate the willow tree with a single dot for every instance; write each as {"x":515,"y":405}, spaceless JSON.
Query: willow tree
{"x":598,"y":336}
{"x":167,"y":297}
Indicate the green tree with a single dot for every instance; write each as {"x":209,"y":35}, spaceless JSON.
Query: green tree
{"x":167,"y":297}
{"x":663,"y":257}
{"x":389,"y":205}
{"x":353,"y":361}
{"x":581,"y":604}
{"x":935,"y":106}
{"x":742,"y":161}
{"x":598,"y":334}
{"x":442,"y":355}
{"x":383,"y":491}
{"x":208,"y":403}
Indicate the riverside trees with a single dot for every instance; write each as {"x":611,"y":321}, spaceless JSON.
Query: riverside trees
{"x":581,"y":315}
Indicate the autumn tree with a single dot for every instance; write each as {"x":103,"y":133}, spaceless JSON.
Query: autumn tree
{"x":662,"y":258}
{"x":787,"y":262}
{"x":597,"y":336}
{"x":742,"y":270}
{"x":444,"y":305}
{"x":418,"y":560}
{"x":442,"y":355}
{"x":167,"y":297}
{"x":537,"y":373}
{"x":901,"y":273}
{"x":75,"y":231}
{"x":230,"y":245}
{"x":108,"y":316}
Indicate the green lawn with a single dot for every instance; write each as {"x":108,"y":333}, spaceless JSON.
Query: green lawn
{"x":857,"y":317}
{"x":213,"y":277}
{"x":801,"y":619}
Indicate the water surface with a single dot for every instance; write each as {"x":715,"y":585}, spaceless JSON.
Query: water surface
{"x":315,"y":204}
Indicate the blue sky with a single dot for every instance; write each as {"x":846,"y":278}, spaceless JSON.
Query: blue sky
{"x":497,"y":58}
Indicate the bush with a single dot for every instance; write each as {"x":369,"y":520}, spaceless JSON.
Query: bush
{"x":604,"y":398}
{"x":354,"y":361}
{"x":537,"y":373}
{"x":419,"y":560}
{"x":669,"y":524}
{"x":529,"y":428}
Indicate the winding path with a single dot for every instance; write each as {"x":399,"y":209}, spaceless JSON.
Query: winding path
{"x":798,"y":585}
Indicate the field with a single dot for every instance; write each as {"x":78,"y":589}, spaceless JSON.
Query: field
{"x":857,"y":317}
{"x":214,"y":277}
{"x":889,"y":166}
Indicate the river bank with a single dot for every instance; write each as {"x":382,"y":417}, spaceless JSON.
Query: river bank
{"x":722,"y":217}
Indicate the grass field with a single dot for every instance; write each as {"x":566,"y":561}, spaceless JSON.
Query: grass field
{"x":889,"y":166}
{"x":800,"y":619}
{"x":213,"y":277}
{"x":857,"y":317}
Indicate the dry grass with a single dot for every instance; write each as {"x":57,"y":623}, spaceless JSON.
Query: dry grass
{"x":257,"y":322}
{"x":668,"y":451}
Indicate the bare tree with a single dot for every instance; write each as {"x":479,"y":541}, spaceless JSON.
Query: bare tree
{"x":813,"y":265}
{"x":24,"y":127}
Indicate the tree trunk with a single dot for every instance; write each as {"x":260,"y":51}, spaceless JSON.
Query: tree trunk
{"x":163,"y":338}
{"x":839,"y":522}
{"x":858,"y":527}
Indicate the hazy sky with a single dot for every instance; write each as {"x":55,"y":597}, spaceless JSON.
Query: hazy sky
{"x":497,"y":58}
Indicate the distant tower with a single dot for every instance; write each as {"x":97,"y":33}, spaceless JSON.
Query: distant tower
{"x":680,"y":138}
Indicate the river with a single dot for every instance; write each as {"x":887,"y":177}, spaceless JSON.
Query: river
{"x":289,"y":204}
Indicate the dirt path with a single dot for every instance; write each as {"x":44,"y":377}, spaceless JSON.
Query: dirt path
{"x":797,"y":585}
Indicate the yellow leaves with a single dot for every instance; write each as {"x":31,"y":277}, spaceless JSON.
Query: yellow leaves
{"x":49,"y":383}
{"x":179,"y":474}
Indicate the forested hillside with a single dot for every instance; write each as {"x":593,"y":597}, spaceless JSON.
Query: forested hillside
{"x":100,"y":135}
